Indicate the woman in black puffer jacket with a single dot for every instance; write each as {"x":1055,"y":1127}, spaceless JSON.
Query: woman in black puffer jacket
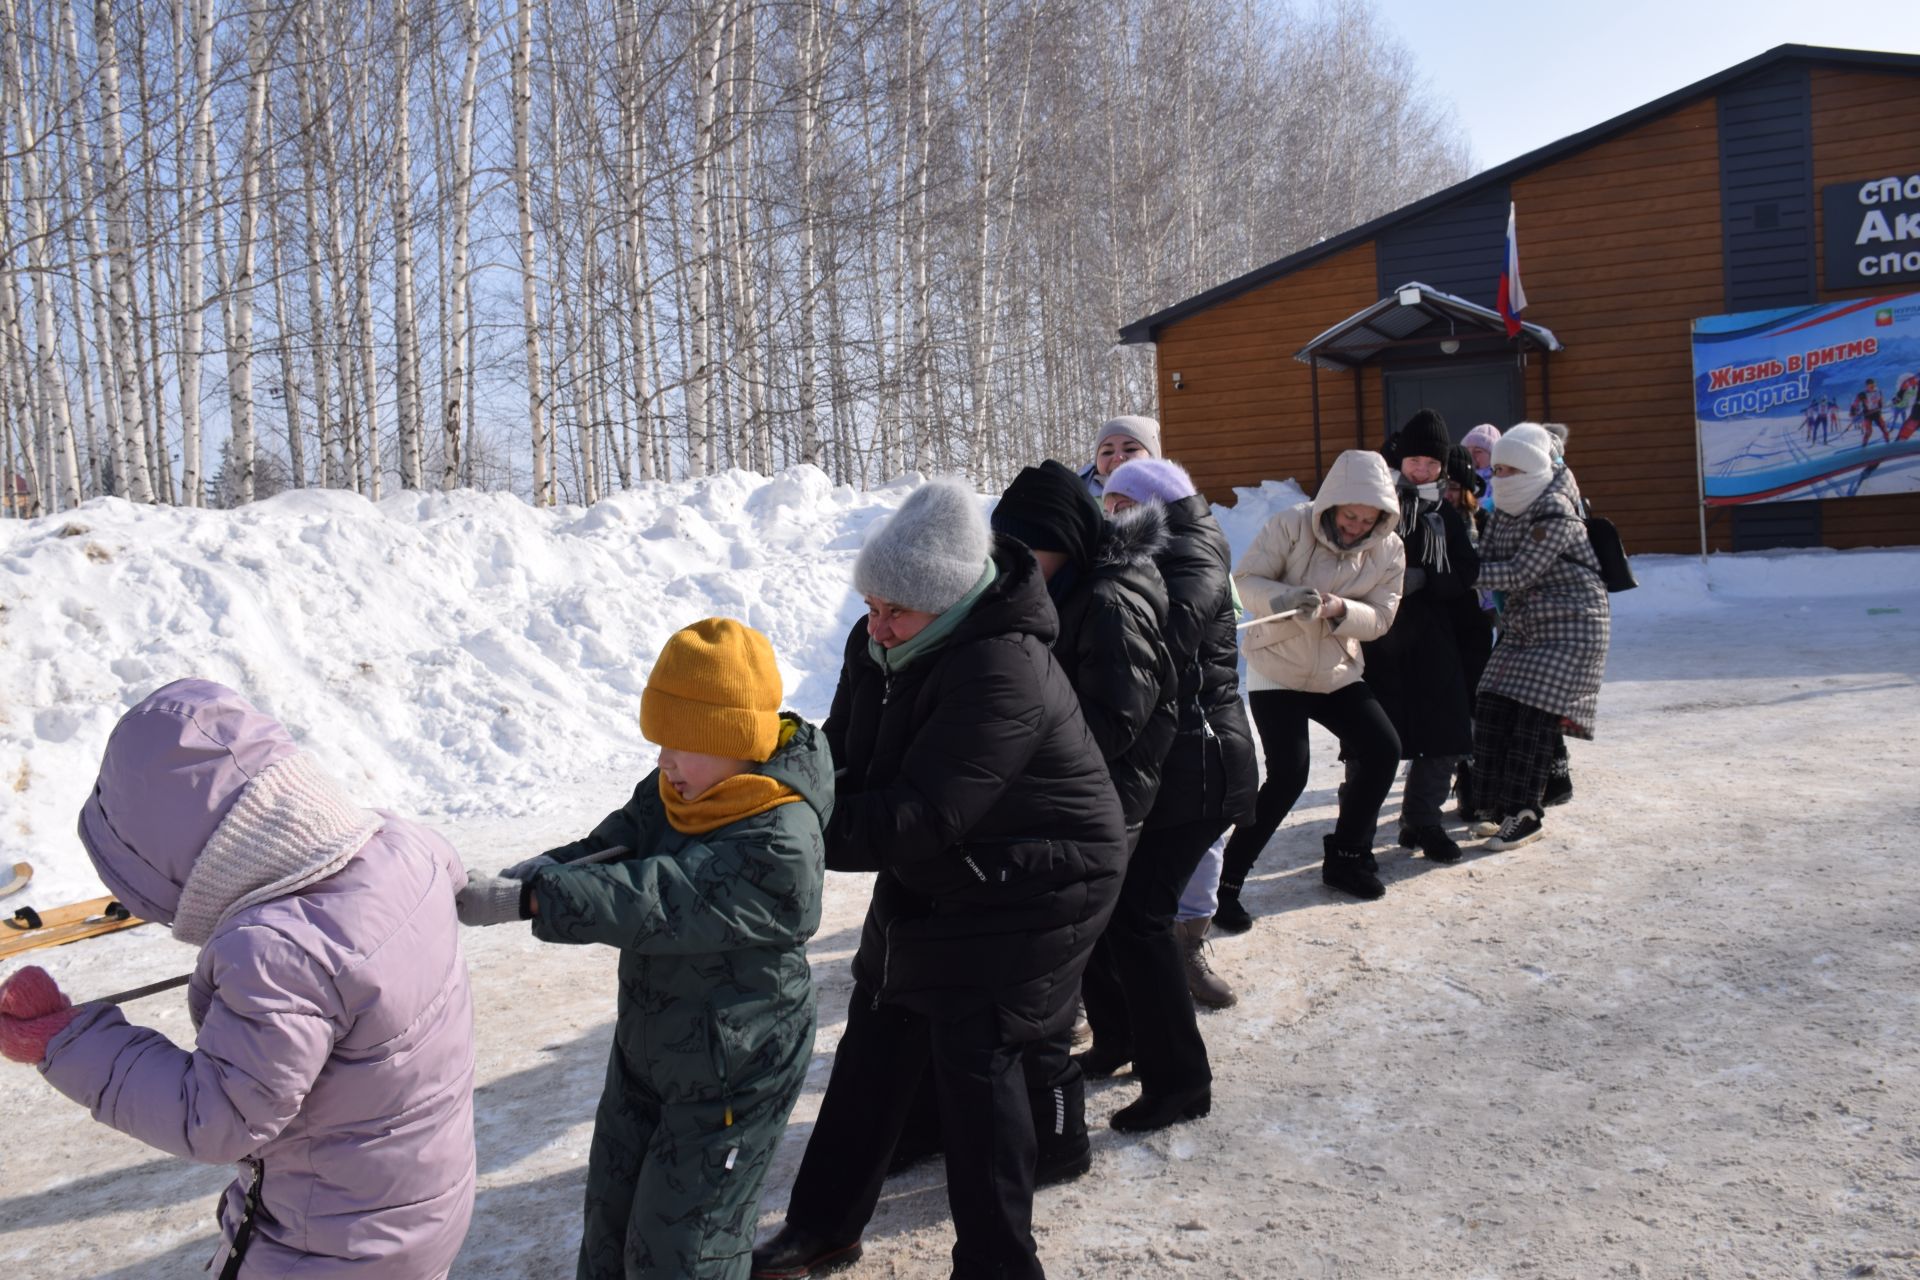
{"x":1417,"y":669}
{"x":1139,"y":1007}
{"x":969,"y":781}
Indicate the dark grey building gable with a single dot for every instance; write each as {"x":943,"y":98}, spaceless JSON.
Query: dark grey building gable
{"x":1766,"y":189}
{"x":1457,"y":248}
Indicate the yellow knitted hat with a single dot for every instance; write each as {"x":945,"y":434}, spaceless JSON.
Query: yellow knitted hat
{"x":715,"y":689}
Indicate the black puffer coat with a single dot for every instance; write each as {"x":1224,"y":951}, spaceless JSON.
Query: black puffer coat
{"x":1209,"y":774}
{"x":974,"y":788}
{"x":1417,"y":669}
{"x":1115,"y":657}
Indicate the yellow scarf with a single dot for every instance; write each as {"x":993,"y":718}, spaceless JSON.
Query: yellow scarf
{"x":745,"y":795}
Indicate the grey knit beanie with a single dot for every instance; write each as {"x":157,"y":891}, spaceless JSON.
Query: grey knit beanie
{"x":1559,"y":432}
{"x":1133,"y":426}
{"x":930,"y":553}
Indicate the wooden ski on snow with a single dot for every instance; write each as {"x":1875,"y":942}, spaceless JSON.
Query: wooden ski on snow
{"x":29,"y":930}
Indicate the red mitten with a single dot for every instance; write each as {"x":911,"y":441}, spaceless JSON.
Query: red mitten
{"x":33,"y":1010}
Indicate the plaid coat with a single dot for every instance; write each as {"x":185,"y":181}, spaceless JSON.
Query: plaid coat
{"x":1554,"y":617}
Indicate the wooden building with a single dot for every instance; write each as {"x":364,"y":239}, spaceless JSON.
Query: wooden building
{"x":1705,"y":202}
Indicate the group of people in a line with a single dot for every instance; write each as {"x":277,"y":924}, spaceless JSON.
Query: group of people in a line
{"x":1039,"y":748}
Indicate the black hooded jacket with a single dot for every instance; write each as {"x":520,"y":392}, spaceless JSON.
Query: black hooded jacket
{"x":1418,"y":669}
{"x":1111,"y":618}
{"x":1209,"y":773}
{"x":970,"y":782}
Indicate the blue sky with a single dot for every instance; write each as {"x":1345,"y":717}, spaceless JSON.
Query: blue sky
{"x":1523,"y":75}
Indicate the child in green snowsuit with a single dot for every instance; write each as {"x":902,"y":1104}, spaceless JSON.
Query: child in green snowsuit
{"x":711,"y":907}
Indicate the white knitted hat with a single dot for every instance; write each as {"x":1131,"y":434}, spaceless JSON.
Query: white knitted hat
{"x":932,"y":552}
{"x":291,"y":826}
{"x":1526,"y":447}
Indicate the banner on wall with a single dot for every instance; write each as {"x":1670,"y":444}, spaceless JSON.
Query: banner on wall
{"x":1809,"y":402}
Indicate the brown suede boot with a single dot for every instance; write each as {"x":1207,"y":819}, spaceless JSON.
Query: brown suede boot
{"x":1208,"y":987}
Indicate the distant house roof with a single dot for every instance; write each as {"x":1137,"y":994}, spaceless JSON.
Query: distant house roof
{"x":1143,"y":330}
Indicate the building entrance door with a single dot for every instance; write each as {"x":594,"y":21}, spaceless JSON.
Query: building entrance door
{"x":1466,"y":395}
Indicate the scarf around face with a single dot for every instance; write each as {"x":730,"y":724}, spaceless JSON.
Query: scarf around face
{"x":1514,"y":494}
{"x":935,"y":634}
{"x":745,"y":795}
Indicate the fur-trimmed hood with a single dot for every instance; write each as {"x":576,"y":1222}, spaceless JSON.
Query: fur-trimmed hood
{"x":1137,"y":536}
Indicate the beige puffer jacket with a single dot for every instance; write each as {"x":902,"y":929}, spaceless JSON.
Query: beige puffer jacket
{"x":1293,"y":550}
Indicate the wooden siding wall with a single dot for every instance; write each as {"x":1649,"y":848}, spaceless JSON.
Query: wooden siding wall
{"x":1245,"y":411}
{"x":1863,"y":127}
{"x":1621,"y":249}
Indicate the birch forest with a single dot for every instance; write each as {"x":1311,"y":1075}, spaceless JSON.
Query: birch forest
{"x":566,"y":247}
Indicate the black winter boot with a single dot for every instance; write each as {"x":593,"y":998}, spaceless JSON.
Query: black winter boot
{"x":1230,"y":916}
{"x":1060,"y":1129}
{"x":1158,"y":1110}
{"x":1351,"y":871}
{"x":794,"y":1254}
{"x":1434,"y":842}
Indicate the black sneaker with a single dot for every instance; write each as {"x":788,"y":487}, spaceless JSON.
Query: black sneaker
{"x":1519,"y":828}
{"x":1559,"y":785}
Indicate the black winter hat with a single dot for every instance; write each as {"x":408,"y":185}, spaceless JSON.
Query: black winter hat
{"x":1424,"y":436}
{"x":1461,"y":471}
{"x":1048,"y":508}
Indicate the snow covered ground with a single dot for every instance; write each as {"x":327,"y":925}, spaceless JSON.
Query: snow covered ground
{"x":1675,"y":1038}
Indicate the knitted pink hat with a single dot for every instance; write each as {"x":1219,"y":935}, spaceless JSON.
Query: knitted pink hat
{"x":1484,"y":436}
{"x":1150,"y":480}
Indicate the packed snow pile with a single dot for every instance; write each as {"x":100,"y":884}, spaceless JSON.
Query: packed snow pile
{"x":441,"y":653}
{"x":457,"y":654}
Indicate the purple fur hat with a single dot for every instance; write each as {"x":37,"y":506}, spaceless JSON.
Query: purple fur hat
{"x":1151,"y":480}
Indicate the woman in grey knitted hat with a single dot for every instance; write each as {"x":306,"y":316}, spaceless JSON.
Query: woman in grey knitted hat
{"x":969,"y":781}
{"x":1118,"y":441}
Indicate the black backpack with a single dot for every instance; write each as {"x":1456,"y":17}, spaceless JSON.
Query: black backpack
{"x":1616,"y":571}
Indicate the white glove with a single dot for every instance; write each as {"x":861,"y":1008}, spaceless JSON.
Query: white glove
{"x":488,"y":900}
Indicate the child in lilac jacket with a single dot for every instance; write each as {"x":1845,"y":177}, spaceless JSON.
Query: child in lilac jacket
{"x":334,"y":1055}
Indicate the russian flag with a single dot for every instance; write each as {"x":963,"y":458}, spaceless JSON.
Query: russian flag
{"x":1510,"y":299}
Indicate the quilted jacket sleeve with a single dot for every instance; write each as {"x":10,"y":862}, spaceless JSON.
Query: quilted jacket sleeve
{"x":271,"y":1025}
{"x":745,"y":886}
{"x":988,"y":714}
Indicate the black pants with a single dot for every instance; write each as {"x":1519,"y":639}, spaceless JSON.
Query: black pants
{"x":1513,"y":751}
{"x":987,"y":1132}
{"x":1367,"y":741}
{"x":1136,"y":978}
{"x":1429,"y":778}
